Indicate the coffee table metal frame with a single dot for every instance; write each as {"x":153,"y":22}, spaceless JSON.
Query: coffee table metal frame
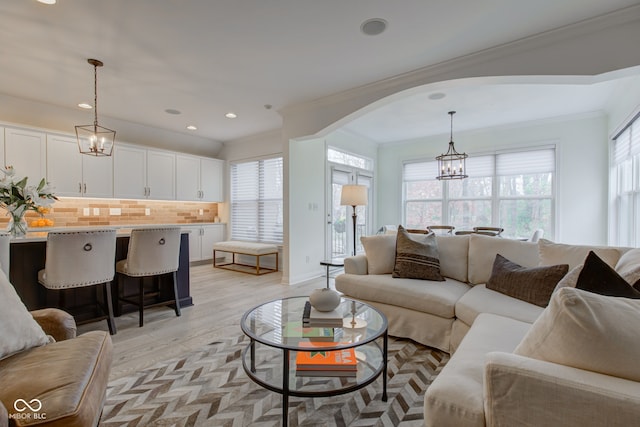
{"x":248,"y":325}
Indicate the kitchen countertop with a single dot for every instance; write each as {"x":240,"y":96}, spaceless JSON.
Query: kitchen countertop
{"x":121,"y":230}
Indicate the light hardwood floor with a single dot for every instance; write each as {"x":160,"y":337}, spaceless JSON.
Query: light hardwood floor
{"x":220,"y":299}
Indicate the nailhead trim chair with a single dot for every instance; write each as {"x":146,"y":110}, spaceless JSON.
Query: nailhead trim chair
{"x":152,"y":252}
{"x":76,"y":259}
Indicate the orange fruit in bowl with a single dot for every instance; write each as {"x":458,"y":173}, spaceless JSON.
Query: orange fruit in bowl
{"x":33,"y":223}
{"x":41,"y":223}
{"x":48,"y":222}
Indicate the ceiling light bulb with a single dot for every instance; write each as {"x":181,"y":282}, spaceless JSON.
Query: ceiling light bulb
{"x":192,"y":127}
{"x":85,"y":106}
{"x":47,"y":1}
{"x":231,"y":115}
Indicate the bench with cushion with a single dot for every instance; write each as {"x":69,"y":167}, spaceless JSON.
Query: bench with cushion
{"x":258,"y":250}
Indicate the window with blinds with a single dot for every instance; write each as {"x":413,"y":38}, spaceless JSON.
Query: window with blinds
{"x":256,"y":200}
{"x":513,"y":190}
{"x":625,"y":186}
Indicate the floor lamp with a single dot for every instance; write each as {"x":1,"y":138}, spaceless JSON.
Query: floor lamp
{"x":354,"y":195}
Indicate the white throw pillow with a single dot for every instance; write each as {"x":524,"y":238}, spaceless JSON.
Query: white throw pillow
{"x":570,"y":279}
{"x":559,"y":253}
{"x":628,"y":266}
{"x":587,"y":331}
{"x":381,"y":252}
{"x":18,"y":330}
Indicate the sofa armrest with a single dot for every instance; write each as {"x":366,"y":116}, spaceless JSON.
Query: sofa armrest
{"x":528,"y":392}
{"x":57,"y":323}
{"x":356,"y":265}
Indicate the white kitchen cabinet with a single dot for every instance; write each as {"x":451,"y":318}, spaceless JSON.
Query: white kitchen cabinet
{"x":77,"y":175}
{"x":202,"y":238}
{"x":199,"y":178}
{"x":26,"y":151}
{"x":143,"y":174}
{"x":2,"y":163}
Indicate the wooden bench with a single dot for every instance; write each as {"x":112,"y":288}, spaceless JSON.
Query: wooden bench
{"x":257,"y":250}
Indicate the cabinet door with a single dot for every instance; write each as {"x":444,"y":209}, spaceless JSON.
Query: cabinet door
{"x":211,"y":235}
{"x":26,"y":151}
{"x":97,"y":176}
{"x":188,"y":177}
{"x":64,"y":165}
{"x":211,"y":179}
{"x":129,"y":172}
{"x":161,"y":175}
{"x":195,"y":244}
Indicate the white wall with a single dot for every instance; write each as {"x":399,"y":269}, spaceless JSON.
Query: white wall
{"x":306,"y":209}
{"x":582,"y":169}
{"x":625,"y":103}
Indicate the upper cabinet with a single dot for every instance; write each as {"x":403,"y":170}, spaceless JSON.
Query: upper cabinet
{"x":77,"y":175}
{"x":26,"y":151}
{"x":199,"y":178}
{"x":144,"y":174}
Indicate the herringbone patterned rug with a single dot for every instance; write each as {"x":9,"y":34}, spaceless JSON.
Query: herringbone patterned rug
{"x":210,"y":388}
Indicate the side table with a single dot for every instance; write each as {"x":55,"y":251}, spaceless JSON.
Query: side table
{"x":331,"y":263}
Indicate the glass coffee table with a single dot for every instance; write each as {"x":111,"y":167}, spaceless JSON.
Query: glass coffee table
{"x":275,"y":332}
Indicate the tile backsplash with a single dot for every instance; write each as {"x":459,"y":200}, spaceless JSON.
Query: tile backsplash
{"x":72,"y":212}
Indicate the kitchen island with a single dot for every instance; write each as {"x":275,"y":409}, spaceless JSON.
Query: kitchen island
{"x":28,"y":257}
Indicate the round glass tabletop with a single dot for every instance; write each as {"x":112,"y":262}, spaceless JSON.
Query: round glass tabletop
{"x":279,"y":324}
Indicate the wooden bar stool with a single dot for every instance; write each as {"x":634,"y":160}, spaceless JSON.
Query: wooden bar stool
{"x":79,"y":259}
{"x":152,"y":252}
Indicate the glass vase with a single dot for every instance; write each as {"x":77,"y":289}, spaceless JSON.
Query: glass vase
{"x":17,"y":226}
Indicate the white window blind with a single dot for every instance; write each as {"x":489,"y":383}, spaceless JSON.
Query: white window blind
{"x":526,"y":162}
{"x":256,"y":200}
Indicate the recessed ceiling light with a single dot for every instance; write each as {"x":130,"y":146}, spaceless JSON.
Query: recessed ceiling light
{"x":192,"y":127}
{"x":47,"y":1}
{"x":231,"y":115}
{"x":85,"y":106}
{"x":172,"y":111}
{"x":437,"y":95}
{"x":373,"y":26}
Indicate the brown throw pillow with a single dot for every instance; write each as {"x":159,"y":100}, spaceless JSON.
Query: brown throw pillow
{"x":416,"y":256}
{"x":533,"y":285}
{"x":597,"y":277}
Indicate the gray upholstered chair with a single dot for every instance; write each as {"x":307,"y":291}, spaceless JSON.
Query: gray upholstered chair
{"x":152,"y":252}
{"x":537,"y":235}
{"x":5,"y":250}
{"x":76,"y":259}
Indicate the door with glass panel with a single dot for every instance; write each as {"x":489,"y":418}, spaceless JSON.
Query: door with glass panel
{"x":340,"y":219}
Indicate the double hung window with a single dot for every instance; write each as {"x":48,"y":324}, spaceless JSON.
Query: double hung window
{"x":513,"y":190}
{"x":256,"y":200}
{"x":625,"y":186}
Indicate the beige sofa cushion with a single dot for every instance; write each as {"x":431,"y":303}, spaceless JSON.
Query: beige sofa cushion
{"x":559,"y":253}
{"x":456,"y":396}
{"x":587,"y":331}
{"x":437,"y":298}
{"x":381,"y":252}
{"x":479,"y":300}
{"x":18,"y":330}
{"x":454,"y":254}
{"x":483,"y":251}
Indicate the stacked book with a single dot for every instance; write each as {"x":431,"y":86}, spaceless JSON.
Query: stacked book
{"x":321,"y":319}
{"x":296,"y":330}
{"x":325,"y":363}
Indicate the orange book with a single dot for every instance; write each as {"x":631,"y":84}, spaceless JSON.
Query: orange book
{"x":322,"y":359}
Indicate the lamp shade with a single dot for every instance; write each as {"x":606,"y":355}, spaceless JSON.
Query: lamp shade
{"x":353,"y":195}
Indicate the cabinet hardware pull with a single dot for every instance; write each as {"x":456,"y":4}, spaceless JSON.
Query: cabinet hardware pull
{"x":85,"y":188}
{"x":80,"y":187}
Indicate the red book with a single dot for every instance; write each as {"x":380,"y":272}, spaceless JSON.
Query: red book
{"x":322,"y":359}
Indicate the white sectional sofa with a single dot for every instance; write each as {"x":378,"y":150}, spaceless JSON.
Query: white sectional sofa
{"x":485,"y":383}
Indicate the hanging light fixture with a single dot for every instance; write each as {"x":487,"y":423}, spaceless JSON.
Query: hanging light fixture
{"x":95,"y":140}
{"x":452,"y":165}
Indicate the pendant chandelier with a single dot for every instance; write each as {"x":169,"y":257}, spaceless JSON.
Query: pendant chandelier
{"x":95,"y":140}
{"x":452,"y":165}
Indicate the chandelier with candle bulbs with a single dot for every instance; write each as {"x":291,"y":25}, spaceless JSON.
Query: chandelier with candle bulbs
{"x":452,"y":165}
{"x":95,"y":140}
